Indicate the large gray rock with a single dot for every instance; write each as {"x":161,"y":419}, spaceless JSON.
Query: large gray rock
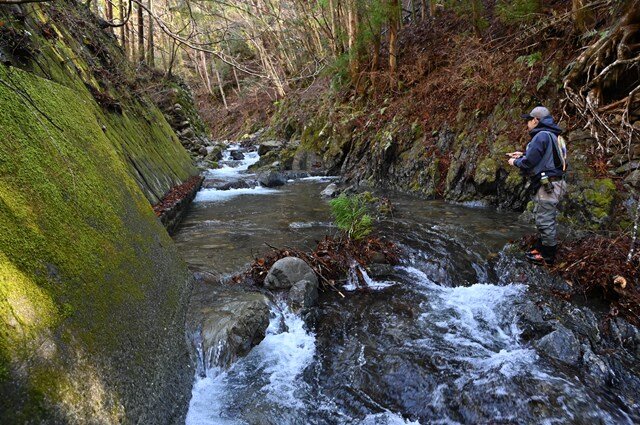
{"x":271,"y":179}
{"x":633,"y":179}
{"x":288,"y":271}
{"x":269,"y":145}
{"x":305,"y":160}
{"x":561,"y":345}
{"x":225,"y":323}
{"x":303,"y":294}
{"x":331,"y":191}
{"x":236,"y":155}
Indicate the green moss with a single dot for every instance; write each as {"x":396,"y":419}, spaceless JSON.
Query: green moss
{"x":486,"y":171}
{"x":81,"y":247}
{"x":514,"y":179}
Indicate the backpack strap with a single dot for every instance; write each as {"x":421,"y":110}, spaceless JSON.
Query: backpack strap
{"x":559,"y":155}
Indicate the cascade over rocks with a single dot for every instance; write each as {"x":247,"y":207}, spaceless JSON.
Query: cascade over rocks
{"x":225,"y":322}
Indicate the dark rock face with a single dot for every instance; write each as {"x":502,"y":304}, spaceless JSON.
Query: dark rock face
{"x":268,"y":146}
{"x":272,"y":179}
{"x":602,"y":352}
{"x":236,"y":155}
{"x":561,"y":345}
{"x":225,"y":322}
{"x":288,"y":271}
{"x":305,"y":160}
{"x":303,"y":295}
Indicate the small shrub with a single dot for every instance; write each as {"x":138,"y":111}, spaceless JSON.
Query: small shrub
{"x":350,"y":215}
{"x":530,"y":60}
{"x":516,"y":11}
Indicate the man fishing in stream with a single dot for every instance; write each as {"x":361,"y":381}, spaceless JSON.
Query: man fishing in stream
{"x":544,"y":162}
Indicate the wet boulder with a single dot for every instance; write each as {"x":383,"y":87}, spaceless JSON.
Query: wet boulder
{"x":269,"y":145}
{"x":331,"y":191}
{"x":288,"y":271}
{"x":236,"y":155}
{"x":561,"y":345}
{"x":225,"y":323}
{"x":240,"y":184}
{"x":271,"y":179}
{"x":376,"y":270}
{"x":303,"y":294}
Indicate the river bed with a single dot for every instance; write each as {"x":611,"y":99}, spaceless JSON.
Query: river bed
{"x":438,"y":342}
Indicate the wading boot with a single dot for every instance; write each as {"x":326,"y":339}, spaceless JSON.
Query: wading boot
{"x":546,"y":255}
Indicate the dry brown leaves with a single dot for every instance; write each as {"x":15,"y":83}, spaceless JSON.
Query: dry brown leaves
{"x":176,"y":194}
{"x":597,"y":266}
{"x":331,"y":260}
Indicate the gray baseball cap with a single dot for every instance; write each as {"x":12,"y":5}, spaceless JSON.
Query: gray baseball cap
{"x":537,"y":112}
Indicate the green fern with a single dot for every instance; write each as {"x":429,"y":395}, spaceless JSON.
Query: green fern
{"x":350,"y":215}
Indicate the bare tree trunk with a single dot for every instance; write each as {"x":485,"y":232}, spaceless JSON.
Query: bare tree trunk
{"x":151,"y":60}
{"x":432,"y":8}
{"x":141,"y":57}
{"x":235,"y":73}
{"x":109,"y":10}
{"x":123,"y":29}
{"x":269,"y":68}
{"x":334,"y":34}
{"x":424,"y":10}
{"x":132,"y":41}
{"x":393,"y":40}
{"x":220,"y":85}
{"x":354,"y":49}
{"x":205,"y":72}
{"x":413,"y":10}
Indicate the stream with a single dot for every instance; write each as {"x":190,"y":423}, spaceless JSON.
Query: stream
{"x":437,"y":342}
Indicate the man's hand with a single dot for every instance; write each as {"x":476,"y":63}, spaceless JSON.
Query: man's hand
{"x":516,"y":154}
{"x":512,"y":160}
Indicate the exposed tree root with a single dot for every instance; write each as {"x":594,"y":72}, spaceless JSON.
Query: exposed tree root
{"x":604,"y":84}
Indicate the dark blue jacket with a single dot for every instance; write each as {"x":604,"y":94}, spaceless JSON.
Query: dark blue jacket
{"x":531,"y":163}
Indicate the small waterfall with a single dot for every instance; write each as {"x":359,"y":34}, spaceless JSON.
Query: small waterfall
{"x":272,"y":369}
{"x":358,"y":278}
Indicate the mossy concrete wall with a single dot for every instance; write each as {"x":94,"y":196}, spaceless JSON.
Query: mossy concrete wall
{"x":92,"y":291}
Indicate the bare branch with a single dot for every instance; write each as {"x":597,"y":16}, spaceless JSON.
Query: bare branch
{"x":23,"y":1}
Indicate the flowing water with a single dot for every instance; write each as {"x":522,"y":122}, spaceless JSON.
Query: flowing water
{"x":436,"y":342}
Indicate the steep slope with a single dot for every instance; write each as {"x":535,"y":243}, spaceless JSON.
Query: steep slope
{"x":444,"y":130}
